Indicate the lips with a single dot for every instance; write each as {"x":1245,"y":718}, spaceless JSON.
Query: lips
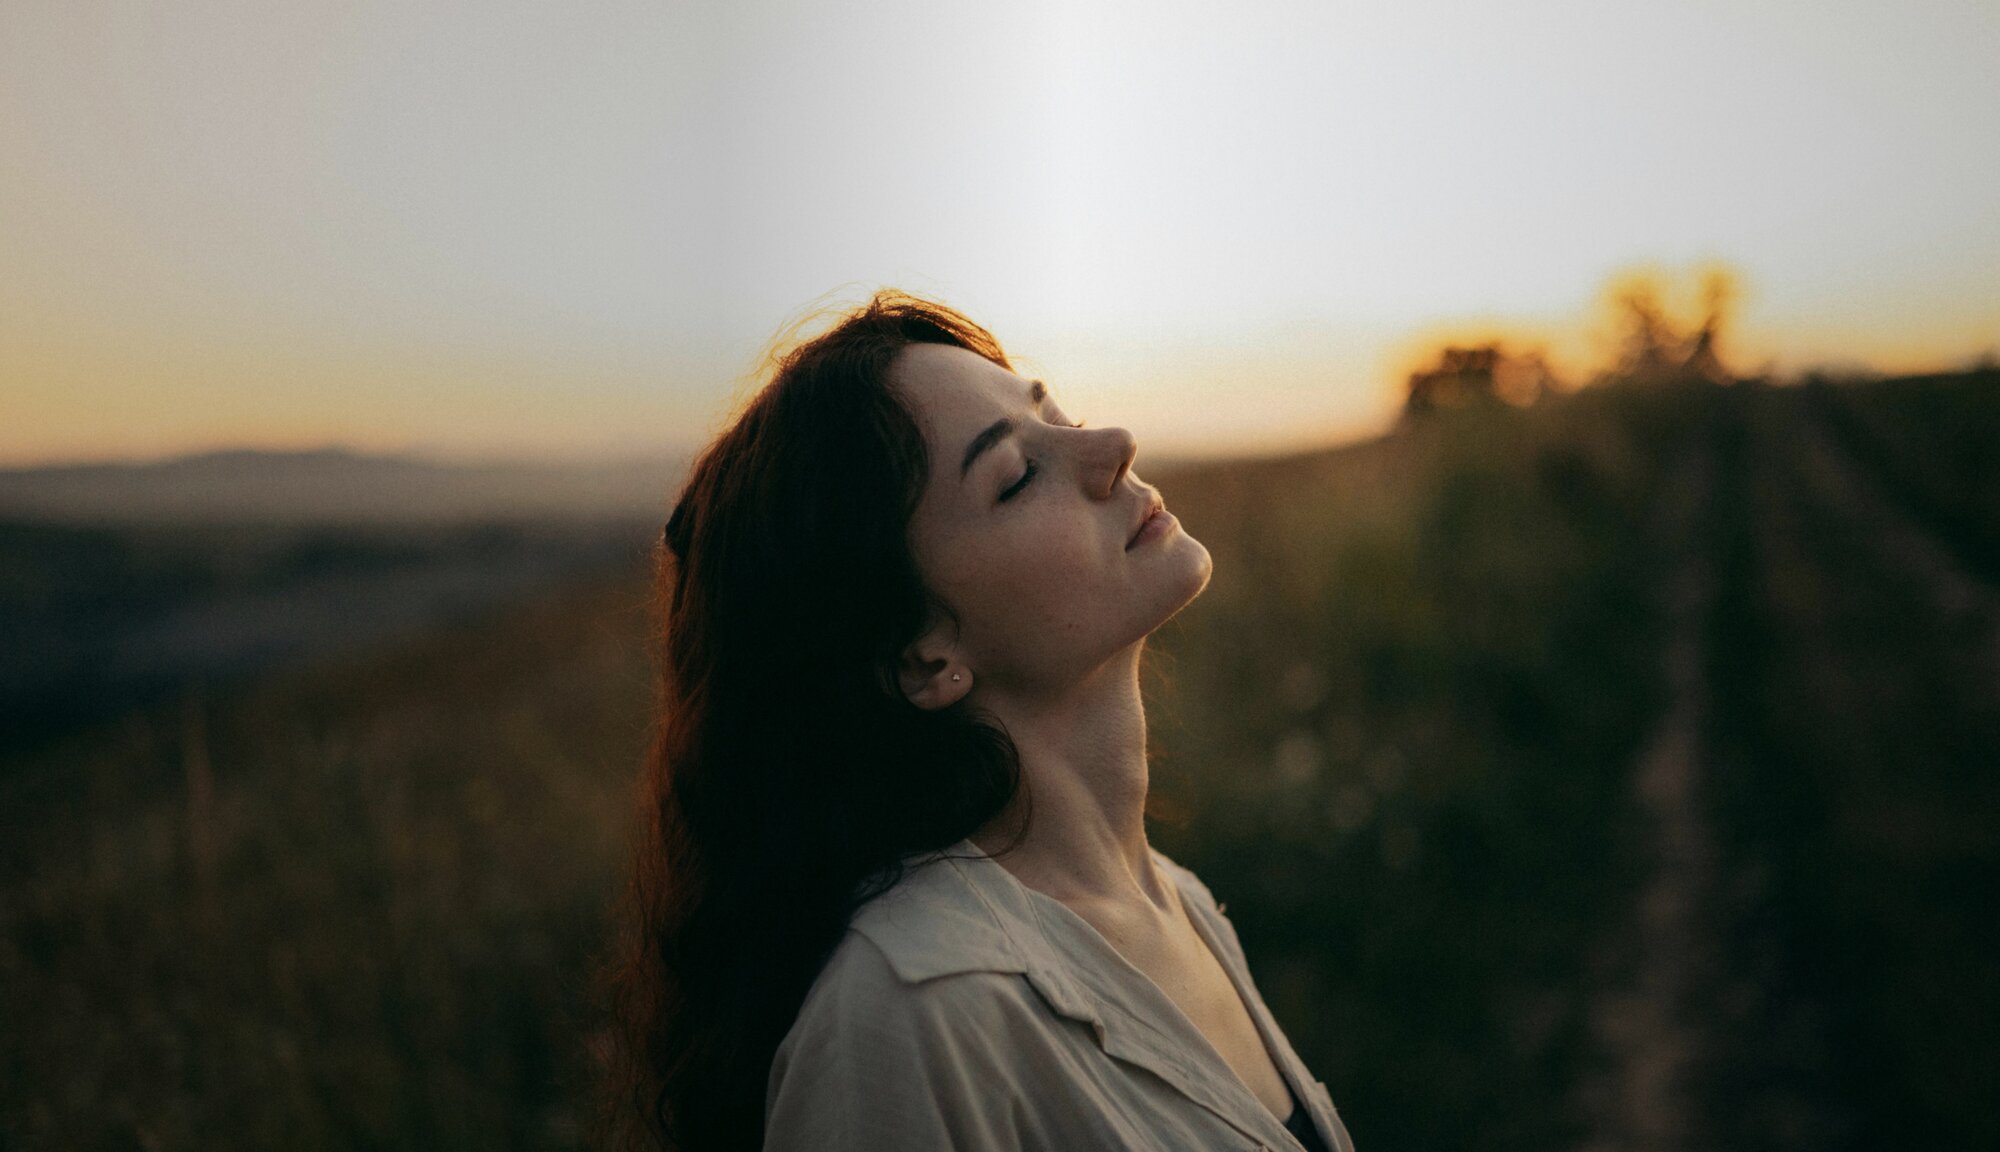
{"x":1152,"y":509}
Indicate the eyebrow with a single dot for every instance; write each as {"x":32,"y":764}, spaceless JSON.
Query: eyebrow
{"x":997,"y":431}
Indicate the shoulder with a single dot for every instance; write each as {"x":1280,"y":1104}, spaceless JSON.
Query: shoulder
{"x":865,"y":988}
{"x":878,"y":1061}
{"x":861,"y":1013}
{"x":929,"y":955}
{"x":940,"y":920}
{"x":875,"y":1063}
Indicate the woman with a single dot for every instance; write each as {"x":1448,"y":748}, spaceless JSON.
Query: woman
{"x":895,"y":890}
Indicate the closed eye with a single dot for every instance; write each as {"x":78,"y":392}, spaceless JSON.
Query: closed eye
{"x":1028,"y":473}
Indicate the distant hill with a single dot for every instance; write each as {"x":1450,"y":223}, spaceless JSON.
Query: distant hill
{"x":336,"y":486}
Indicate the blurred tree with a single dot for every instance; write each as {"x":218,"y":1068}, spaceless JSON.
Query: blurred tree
{"x":1653,"y":343}
{"x":1719,"y":293}
{"x":1482,"y":374}
{"x":1653,"y":347}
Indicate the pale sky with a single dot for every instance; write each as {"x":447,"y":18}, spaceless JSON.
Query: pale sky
{"x":566,"y":228}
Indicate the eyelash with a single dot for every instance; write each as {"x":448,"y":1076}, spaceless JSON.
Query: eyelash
{"x":1028,"y":473}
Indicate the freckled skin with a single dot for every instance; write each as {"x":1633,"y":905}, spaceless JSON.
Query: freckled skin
{"x":1045,"y":593}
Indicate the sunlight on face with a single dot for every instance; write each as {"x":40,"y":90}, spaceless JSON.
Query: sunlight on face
{"x":1026,"y":528}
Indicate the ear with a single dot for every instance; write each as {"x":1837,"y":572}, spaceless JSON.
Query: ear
{"x":930,"y":671}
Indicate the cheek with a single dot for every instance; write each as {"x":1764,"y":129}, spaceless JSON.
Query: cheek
{"x":1050,"y":574}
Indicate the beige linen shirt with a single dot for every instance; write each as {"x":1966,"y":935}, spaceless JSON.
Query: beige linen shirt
{"x":964,"y":1010}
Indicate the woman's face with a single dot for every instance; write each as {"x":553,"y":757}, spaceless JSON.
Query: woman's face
{"x":1029,"y":530}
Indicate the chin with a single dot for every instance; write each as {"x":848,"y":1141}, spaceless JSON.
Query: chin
{"x":1203,"y":564}
{"x":1189,"y":573}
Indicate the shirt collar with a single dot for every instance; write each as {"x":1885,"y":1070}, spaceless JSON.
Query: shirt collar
{"x":963,"y":912}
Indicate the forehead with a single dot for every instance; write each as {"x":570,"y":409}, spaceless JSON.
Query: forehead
{"x":954,"y":395}
{"x":954,"y":392}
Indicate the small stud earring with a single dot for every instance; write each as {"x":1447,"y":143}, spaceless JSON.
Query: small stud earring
{"x":954,"y":675}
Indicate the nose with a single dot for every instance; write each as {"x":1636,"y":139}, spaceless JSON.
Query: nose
{"x":1110,"y":455}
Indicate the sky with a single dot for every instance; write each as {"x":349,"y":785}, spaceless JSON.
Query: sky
{"x":563,"y":230}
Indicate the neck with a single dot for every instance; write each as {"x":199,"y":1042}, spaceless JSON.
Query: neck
{"x":1083,"y":753}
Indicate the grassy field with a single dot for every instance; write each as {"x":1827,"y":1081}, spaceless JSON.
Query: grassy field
{"x":1615,"y":772}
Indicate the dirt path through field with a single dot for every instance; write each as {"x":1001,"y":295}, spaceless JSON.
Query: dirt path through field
{"x":1647,"y":1022}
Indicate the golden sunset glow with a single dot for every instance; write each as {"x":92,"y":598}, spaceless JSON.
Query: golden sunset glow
{"x":565,"y":230}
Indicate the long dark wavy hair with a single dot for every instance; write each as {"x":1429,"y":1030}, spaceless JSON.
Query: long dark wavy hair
{"x":789,"y":780}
